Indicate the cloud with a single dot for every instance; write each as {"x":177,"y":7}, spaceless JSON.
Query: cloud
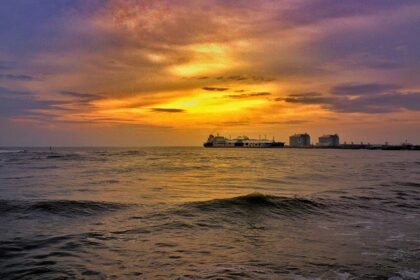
{"x":317,"y":11}
{"x":307,"y":98}
{"x":168,"y":110}
{"x":371,"y":102}
{"x":363,"y":89}
{"x":249,"y":95}
{"x":215,"y":88}
{"x":42,"y":118}
{"x":249,"y":78}
{"x":382,"y":64}
{"x":125,"y":51}
{"x":80,"y":95}
{"x":16,"y":77}
{"x":10,"y":106}
{"x":6,"y":64}
{"x":12,"y":92}
{"x":369,"y":61}
{"x":248,"y":122}
{"x":237,"y":78}
{"x":306,"y":94}
{"x":381,"y":103}
{"x":288,"y":122}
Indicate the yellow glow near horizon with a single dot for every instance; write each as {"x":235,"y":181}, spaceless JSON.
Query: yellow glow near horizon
{"x":206,"y":59}
{"x":204,"y":103}
{"x":196,"y":107}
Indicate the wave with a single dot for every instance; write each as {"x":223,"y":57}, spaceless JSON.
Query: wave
{"x":408,"y":184}
{"x":58,"y":207}
{"x":112,"y":153}
{"x":132,"y":153}
{"x":11,"y":151}
{"x":40,"y":256}
{"x":258,"y":201}
{"x":64,"y":156}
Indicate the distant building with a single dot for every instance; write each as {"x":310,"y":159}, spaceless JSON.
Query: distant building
{"x":329,"y":140}
{"x":300,"y":140}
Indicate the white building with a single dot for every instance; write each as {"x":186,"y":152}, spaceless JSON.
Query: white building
{"x":329,"y":140}
{"x":300,"y":140}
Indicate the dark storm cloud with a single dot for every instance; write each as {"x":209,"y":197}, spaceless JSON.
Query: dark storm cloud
{"x":16,"y":77}
{"x":168,"y":110}
{"x":249,"y":95}
{"x":215,"y":88}
{"x":363,"y":89}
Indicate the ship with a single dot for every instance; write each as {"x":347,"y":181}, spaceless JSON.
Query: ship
{"x":240,"y":142}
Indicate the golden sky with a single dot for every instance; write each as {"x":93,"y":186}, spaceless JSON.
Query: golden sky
{"x":171,"y":72}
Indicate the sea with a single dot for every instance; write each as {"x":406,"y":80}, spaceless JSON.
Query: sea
{"x":197,"y":213}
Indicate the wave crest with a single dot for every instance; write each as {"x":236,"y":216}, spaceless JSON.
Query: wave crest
{"x":258,"y":201}
{"x":58,"y":207}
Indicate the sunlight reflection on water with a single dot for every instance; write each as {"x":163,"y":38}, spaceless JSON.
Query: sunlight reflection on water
{"x":208,"y":213}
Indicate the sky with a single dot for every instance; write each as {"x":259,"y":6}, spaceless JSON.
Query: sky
{"x":153,"y":73}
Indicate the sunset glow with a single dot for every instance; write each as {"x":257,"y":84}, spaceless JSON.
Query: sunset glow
{"x":210,"y":139}
{"x":191,"y":67}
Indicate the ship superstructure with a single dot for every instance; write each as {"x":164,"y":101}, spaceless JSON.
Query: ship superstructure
{"x":240,"y":142}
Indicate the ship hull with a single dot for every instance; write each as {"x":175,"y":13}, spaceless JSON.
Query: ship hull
{"x":240,"y":142}
{"x":271,"y":146}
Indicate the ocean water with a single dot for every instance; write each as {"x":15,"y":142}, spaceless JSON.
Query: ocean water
{"x":196,"y":213}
